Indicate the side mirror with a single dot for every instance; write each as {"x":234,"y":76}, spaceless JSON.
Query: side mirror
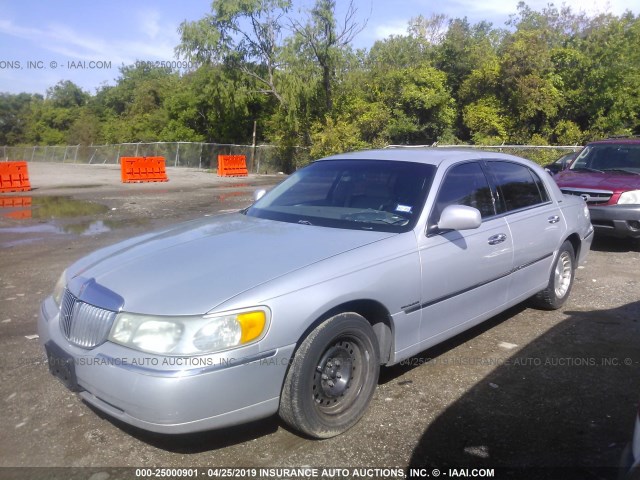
{"x":258,"y":194}
{"x":459,"y":217}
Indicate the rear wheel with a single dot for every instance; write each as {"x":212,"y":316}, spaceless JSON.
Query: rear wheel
{"x":560,"y":281}
{"x":332,"y":377}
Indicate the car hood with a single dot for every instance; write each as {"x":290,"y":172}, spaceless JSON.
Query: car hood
{"x":599,"y":181}
{"x":190,"y":269}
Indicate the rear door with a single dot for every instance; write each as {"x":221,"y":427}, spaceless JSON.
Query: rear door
{"x":535,"y":223}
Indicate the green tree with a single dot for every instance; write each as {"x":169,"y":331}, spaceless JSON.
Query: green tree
{"x":245,"y":34}
{"x":605,"y":83}
{"x":554,"y":77}
{"x":400,"y":106}
{"x":324,"y":43}
{"x":134,"y":109}
{"x":429,"y":30}
{"x":486,"y":121}
{"x":66,"y":94}
{"x":531,"y":89}
{"x":49,"y":120}
{"x":14,"y":111}
{"x":463,"y":48}
{"x":336,"y":136}
{"x":217,"y":105}
{"x":398,"y":51}
{"x":86,"y":129}
{"x":468,"y":56}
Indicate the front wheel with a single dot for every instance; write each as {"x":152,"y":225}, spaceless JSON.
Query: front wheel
{"x":332,"y":377}
{"x":560,"y":281}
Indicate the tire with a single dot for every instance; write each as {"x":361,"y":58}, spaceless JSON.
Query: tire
{"x":560,"y":280}
{"x":332,"y":377}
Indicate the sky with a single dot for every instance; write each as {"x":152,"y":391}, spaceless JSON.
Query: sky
{"x":44,"y":42}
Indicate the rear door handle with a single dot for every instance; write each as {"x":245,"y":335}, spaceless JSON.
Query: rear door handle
{"x":553,"y":219}
{"x":496,"y":239}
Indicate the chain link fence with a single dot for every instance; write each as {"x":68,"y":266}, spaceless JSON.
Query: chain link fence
{"x":260,"y":159}
{"x":540,"y":154}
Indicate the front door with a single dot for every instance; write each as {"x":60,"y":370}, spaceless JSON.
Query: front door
{"x":465,"y":273}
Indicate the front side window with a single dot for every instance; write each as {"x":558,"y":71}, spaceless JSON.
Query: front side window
{"x":518,"y":187}
{"x":357,"y":194}
{"x":464,"y":184}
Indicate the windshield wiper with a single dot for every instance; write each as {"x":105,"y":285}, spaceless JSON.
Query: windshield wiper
{"x":623,"y":170}
{"x":376,"y":216}
{"x":398,"y":221}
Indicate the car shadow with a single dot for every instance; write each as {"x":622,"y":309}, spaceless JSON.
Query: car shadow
{"x":615,"y":245}
{"x":191,"y":443}
{"x":389,"y":374}
{"x":561,"y":407}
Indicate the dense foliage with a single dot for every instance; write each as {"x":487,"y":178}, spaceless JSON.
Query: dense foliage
{"x":549,"y":77}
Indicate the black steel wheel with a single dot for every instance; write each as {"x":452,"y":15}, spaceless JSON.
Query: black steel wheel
{"x":332,"y":377}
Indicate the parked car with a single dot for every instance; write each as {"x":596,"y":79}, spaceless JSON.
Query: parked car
{"x":630,"y":461}
{"x":562,"y":163}
{"x":607,"y":175}
{"x":293,"y":304}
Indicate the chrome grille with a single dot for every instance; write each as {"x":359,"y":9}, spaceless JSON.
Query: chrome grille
{"x":592,"y":197}
{"x":66,"y":312}
{"x":82,"y":324}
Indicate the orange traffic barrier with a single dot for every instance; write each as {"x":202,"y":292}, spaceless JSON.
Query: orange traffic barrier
{"x":21,"y":204}
{"x":232,"y":166}
{"x":15,"y":202}
{"x":143,"y":169}
{"x":14,"y":177}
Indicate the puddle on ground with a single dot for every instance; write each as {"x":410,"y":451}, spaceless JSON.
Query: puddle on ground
{"x":56,"y":215}
{"x":42,"y":208}
{"x":232,"y":195}
{"x":232,"y":185}
{"x":96,"y":185}
{"x":103,"y":226}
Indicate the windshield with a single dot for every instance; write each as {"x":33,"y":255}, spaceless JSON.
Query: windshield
{"x":609,"y":157}
{"x":375,"y":195}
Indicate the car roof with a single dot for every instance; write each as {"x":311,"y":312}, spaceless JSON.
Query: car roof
{"x":428,"y":155}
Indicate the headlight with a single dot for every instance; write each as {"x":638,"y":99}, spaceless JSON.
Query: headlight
{"x":632,"y":197}
{"x":218,"y":334}
{"x":147,"y":333}
{"x":189,"y":335}
{"x":58,"y":290}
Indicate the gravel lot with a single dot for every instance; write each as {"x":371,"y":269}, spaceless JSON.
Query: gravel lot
{"x":551,"y":393}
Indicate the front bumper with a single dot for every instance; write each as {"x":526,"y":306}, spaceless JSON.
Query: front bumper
{"x":621,"y":221}
{"x":172,"y":394}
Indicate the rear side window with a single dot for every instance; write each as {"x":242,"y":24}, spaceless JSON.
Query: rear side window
{"x":518,"y":186}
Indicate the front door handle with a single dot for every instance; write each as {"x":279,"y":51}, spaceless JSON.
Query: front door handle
{"x":496,"y":239}
{"x":553,"y":219}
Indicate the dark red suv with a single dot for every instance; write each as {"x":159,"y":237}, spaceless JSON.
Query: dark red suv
{"x":607,"y":175}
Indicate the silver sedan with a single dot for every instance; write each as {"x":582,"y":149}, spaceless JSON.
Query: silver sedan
{"x":292,"y":305}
